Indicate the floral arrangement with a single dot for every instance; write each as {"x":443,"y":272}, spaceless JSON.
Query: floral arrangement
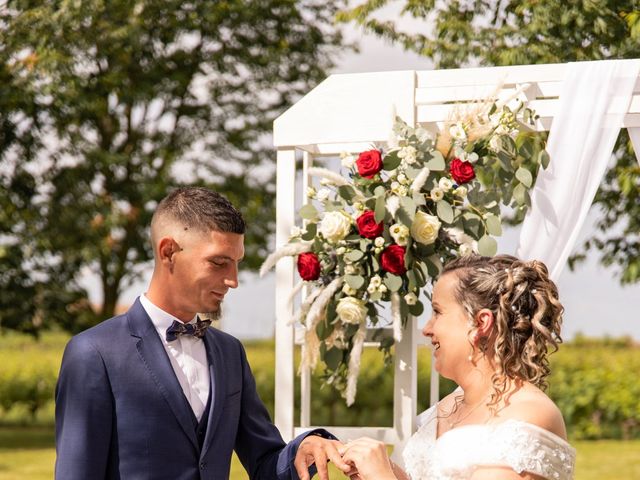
{"x":381,"y":231}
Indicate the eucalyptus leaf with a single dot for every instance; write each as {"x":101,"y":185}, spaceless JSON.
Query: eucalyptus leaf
{"x":354,"y":255}
{"x":354,"y":281}
{"x":417,"y":309}
{"x":445,"y":211}
{"x":494,"y":226}
{"x":391,"y":161}
{"x":380,"y":210}
{"x":519,"y":194}
{"x":311,"y":230}
{"x":308,"y":212}
{"x":333,"y":357}
{"x":347,"y":192}
{"x":524,"y":176}
{"x":393,"y":282}
{"x":487,"y":246}
{"x":409,"y":206}
{"x":436,"y":164}
{"x":544,"y":159}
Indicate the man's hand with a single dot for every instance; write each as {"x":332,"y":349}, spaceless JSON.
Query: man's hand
{"x":318,"y":450}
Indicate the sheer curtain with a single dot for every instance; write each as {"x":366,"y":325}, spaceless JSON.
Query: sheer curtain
{"x":593,"y":101}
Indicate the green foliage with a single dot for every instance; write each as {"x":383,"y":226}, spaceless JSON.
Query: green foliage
{"x":105,"y":106}
{"x":516,"y":32}
{"x":593,"y":382}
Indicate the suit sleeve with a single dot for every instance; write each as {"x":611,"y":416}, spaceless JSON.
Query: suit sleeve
{"x":259,"y":444}
{"x":84,"y":406}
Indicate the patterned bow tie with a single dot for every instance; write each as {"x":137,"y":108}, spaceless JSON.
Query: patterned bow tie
{"x":178,"y":328}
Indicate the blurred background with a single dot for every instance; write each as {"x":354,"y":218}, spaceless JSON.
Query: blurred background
{"x":106,"y":106}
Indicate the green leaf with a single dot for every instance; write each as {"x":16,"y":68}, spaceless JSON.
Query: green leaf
{"x":417,"y":309}
{"x":354,"y":281}
{"x":519,"y":194}
{"x":393,"y":282}
{"x":524,"y":176}
{"x":333,"y":358}
{"x":324,"y":329}
{"x":311,"y":230}
{"x":409,"y":206}
{"x":445,"y":211}
{"x":544,"y":159}
{"x":487,"y":246}
{"x":436,"y":164}
{"x":347,"y":192}
{"x":391,"y":161}
{"x":354,"y":255}
{"x":381,"y":210}
{"x":494,"y":226}
{"x":308,"y":212}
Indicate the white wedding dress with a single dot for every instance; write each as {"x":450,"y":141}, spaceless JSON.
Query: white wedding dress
{"x":518,"y":445}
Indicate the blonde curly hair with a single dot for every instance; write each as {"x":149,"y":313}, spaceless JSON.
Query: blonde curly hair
{"x":527,"y":315}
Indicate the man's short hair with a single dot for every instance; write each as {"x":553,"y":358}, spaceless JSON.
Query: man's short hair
{"x":198,"y":209}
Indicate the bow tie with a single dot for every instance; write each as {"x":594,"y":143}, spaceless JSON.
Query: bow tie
{"x":178,"y":328}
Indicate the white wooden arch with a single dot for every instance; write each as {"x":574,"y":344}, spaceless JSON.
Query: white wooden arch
{"x":349,"y":113}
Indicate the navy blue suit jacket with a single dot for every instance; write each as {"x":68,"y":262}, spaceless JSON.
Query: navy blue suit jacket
{"x":121,"y":414}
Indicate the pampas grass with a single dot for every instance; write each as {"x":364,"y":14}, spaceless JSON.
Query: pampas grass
{"x":396,"y":318}
{"x":288,"y":250}
{"x":354,"y":363}
{"x":420,"y":180}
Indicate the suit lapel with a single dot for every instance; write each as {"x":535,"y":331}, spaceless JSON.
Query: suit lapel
{"x":218,"y":387}
{"x":155,"y":359}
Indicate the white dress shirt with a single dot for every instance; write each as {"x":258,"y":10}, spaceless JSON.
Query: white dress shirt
{"x":188,"y":358}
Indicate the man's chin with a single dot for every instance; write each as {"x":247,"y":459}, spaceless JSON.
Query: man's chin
{"x":212,"y":315}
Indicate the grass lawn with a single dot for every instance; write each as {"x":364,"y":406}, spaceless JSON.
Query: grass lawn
{"x":28,"y":453}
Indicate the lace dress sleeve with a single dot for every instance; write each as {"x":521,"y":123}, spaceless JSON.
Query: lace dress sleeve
{"x":528,"y":448}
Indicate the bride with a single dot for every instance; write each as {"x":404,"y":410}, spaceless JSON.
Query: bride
{"x":493,"y":322}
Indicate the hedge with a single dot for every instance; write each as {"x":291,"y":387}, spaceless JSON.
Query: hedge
{"x":594,"y":382}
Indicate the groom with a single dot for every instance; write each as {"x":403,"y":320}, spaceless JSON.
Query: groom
{"x":154,"y":393}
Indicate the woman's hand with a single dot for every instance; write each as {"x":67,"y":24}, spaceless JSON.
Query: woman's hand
{"x":369,"y":457}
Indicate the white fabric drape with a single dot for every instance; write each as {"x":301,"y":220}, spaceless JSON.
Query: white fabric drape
{"x":593,"y":101}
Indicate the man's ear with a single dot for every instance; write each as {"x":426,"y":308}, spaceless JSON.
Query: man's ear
{"x":484,"y":323}
{"x":167,"y":247}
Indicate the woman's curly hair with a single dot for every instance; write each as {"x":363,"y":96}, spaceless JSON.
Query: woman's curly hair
{"x":526,"y":310}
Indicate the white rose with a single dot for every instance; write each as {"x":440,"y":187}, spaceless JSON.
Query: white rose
{"x":323,"y":194}
{"x":437,"y":194}
{"x":399,"y":233}
{"x":411,"y":298}
{"x":351,"y":310}
{"x":445,"y":184}
{"x":425,"y":228}
{"x":335,"y":226}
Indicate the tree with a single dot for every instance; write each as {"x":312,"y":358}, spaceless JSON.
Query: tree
{"x":509,"y":32}
{"x":104,"y":106}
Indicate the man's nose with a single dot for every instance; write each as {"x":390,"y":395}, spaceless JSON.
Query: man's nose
{"x":231,"y":279}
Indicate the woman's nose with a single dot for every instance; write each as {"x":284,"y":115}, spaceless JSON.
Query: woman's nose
{"x":427,"y":330}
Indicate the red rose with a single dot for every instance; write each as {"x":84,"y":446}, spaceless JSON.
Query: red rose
{"x":308,"y":266}
{"x":369,"y":163}
{"x":462,"y":172}
{"x":392,"y":259}
{"x":367,"y":226}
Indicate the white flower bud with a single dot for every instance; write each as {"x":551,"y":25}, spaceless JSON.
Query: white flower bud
{"x":411,"y":299}
{"x":323,"y":194}
{"x":437,"y":194}
{"x":379,"y":242}
{"x":445,"y":184}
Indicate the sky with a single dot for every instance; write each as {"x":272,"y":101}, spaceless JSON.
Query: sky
{"x":595,"y":303}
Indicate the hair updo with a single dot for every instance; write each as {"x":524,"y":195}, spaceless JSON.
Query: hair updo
{"x":526,"y":310}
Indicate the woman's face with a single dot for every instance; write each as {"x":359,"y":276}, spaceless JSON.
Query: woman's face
{"x":449,"y":329}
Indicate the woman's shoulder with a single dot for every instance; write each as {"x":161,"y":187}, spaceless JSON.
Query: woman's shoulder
{"x":531,"y":405}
